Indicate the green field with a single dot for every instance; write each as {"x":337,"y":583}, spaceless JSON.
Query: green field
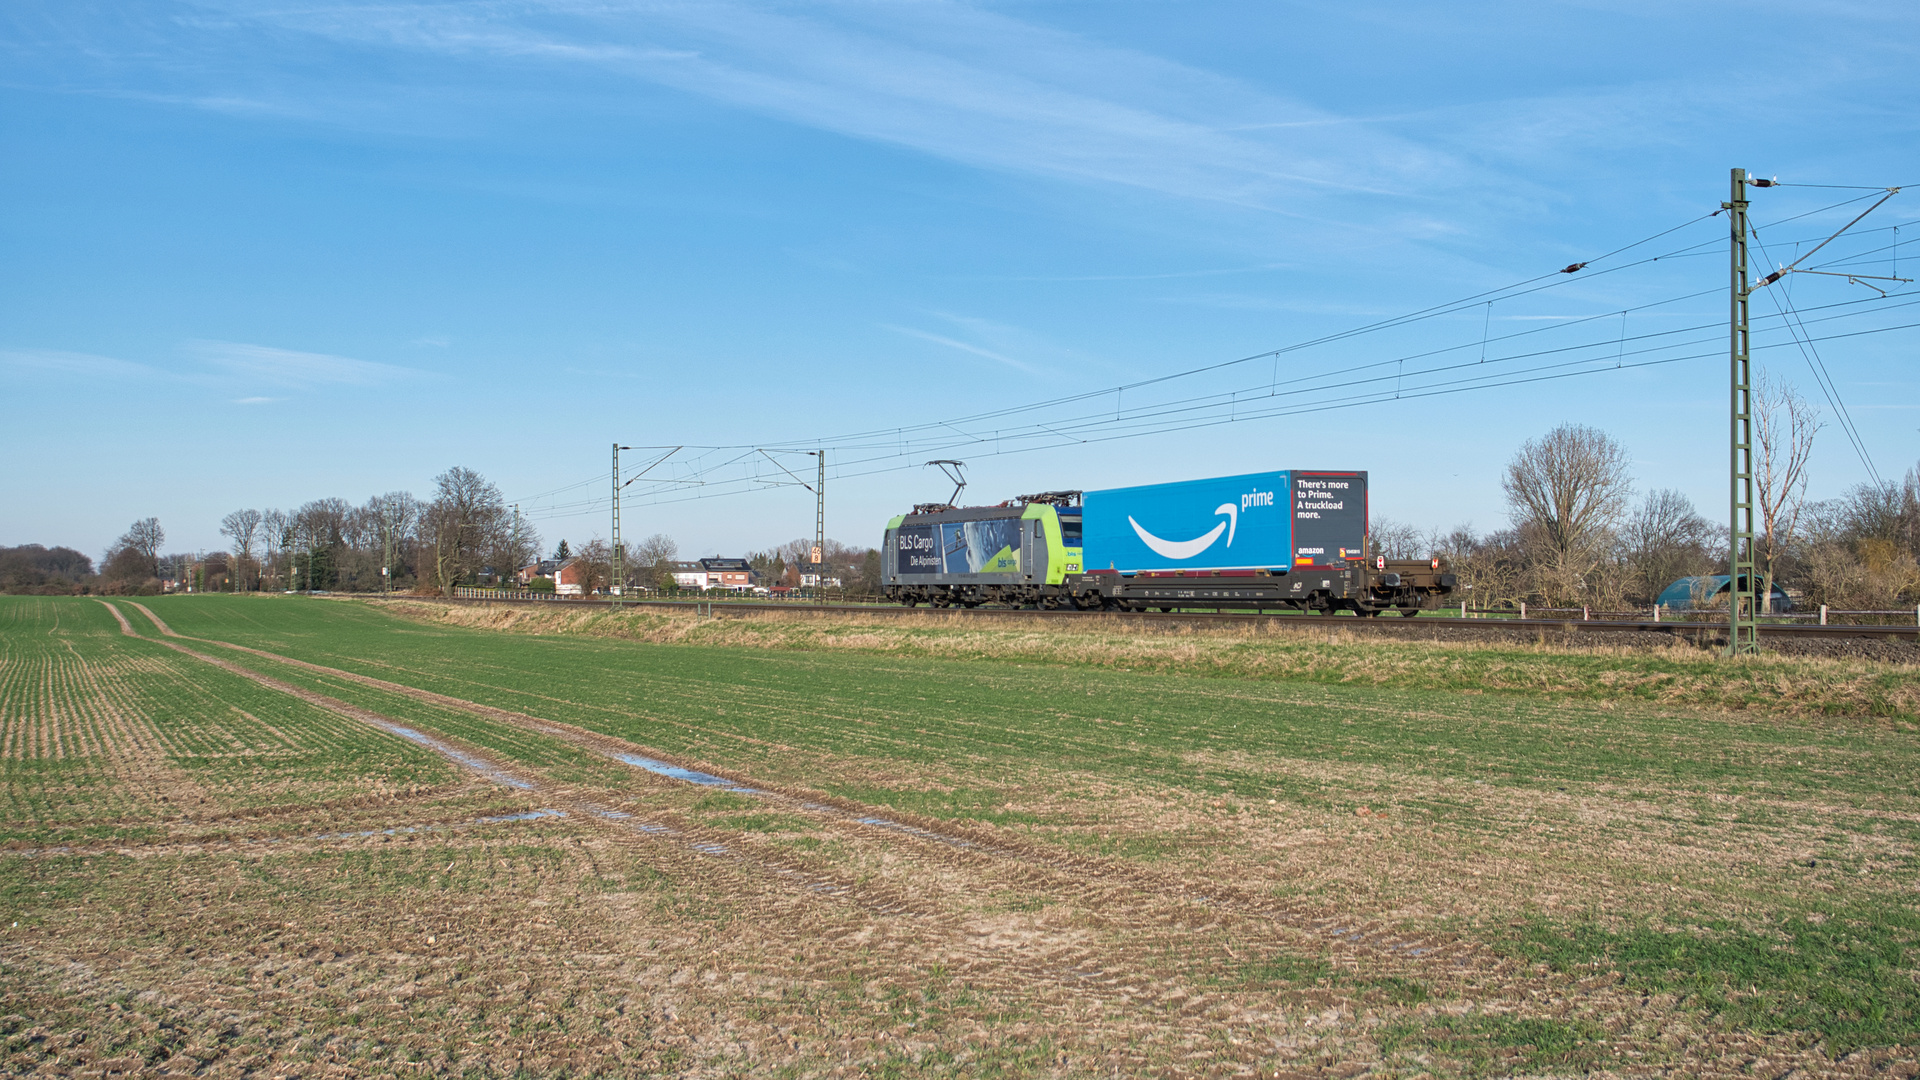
{"x":1147,"y":859}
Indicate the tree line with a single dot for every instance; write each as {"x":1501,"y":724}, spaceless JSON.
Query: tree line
{"x":395,"y":541}
{"x":1578,"y":535}
{"x":463,"y":533}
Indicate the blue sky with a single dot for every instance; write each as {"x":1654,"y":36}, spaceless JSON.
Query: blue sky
{"x":253,"y":253}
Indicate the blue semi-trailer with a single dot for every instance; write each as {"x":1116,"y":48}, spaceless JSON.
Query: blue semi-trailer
{"x":1271,"y":521}
{"x":1286,"y":539}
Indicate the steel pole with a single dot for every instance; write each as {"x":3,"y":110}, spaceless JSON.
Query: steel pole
{"x":1743,"y":612}
{"x":613,"y":577}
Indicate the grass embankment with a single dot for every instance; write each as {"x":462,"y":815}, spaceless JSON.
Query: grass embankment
{"x":1319,"y":652}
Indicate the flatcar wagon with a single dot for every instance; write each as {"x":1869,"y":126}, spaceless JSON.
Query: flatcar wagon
{"x":1289,"y":539}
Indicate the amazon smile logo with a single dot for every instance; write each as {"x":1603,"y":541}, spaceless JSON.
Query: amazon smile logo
{"x":1187,"y":549}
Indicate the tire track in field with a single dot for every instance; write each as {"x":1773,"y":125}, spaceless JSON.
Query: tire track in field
{"x":274,"y":845}
{"x":695,"y":847}
{"x":1114,"y":886}
{"x":245,"y":824}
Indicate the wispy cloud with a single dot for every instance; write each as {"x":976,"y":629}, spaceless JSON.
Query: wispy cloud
{"x":945,"y":79}
{"x":1278,"y":301}
{"x":256,"y":400}
{"x":77,"y":364}
{"x":1021,"y":348}
{"x":217,"y":365}
{"x":1171,"y":275}
{"x":951,"y":343}
{"x":299,"y":370}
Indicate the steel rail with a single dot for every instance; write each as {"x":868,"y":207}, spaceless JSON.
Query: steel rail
{"x":1391,"y":624}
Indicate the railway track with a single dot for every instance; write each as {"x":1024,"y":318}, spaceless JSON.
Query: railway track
{"x":1391,"y":625}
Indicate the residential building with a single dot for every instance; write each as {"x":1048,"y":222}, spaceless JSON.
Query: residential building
{"x":715,"y":573}
{"x":568,"y":577}
{"x":544,"y":568}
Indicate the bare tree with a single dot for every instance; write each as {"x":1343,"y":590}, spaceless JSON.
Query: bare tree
{"x":145,"y":537}
{"x":136,"y":555}
{"x":1490,"y":568}
{"x":1394,"y":540}
{"x":1855,"y":551}
{"x":653,"y":560}
{"x":1664,"y":540}
{"x":1566,"y":491}
{"x":1909,"y":531}
{"x":381,"y":534}
{"x":518,"y":545}
{"x":1784,"y":424}
{"x":462,"y":524}
{"x":273,"y":528}
{"x":794,"y":558}
{"x":243,"y":528}
{"x":593,"y":563}
{"x":401,"y":517}
{"x":321,"y":526}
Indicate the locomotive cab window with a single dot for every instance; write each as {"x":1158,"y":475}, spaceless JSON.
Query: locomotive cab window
{"x":1070,"y":530}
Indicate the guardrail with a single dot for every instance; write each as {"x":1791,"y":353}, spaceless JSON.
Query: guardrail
{"x":1825,"y":616}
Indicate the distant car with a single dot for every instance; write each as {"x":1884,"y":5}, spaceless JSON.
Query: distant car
{"x":1710,"y":591}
